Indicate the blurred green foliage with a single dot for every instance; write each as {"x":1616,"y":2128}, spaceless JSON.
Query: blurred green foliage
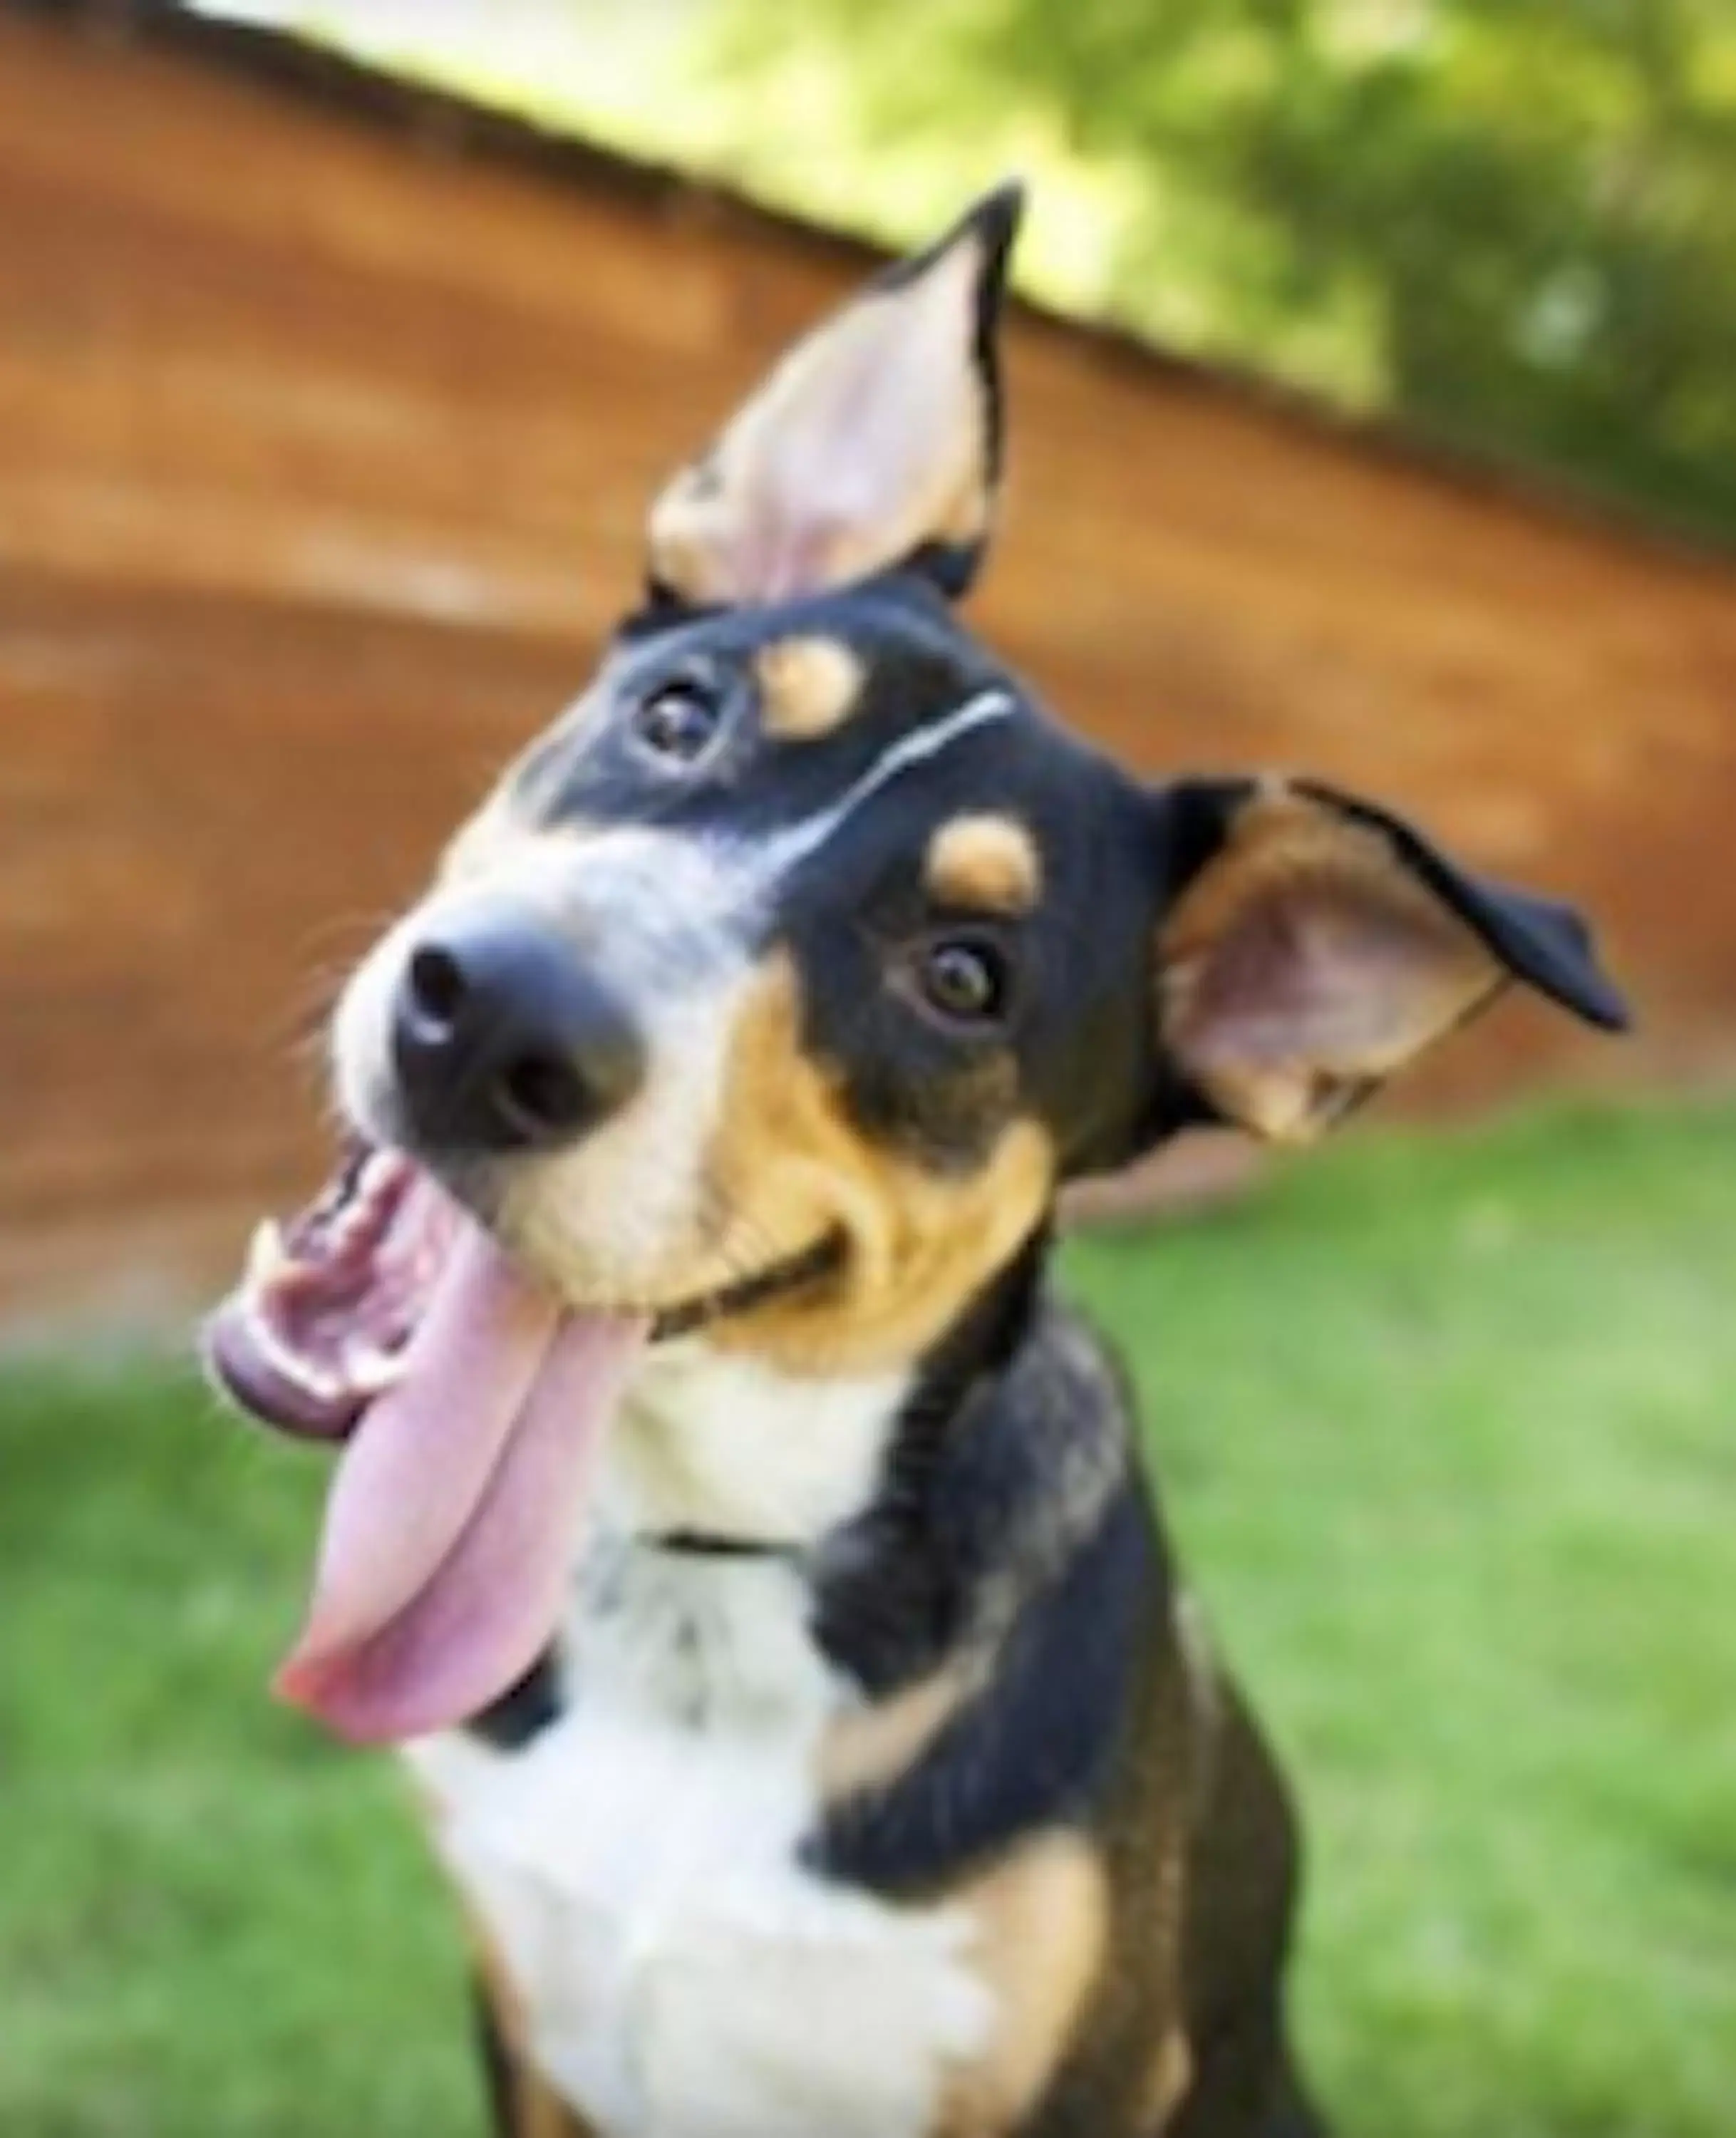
{"x":1511,"y":222}
{"x":1443,"y":1428}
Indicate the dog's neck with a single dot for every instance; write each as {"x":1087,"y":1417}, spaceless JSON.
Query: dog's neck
{"x":891,"y":1525}
{"x":716,"y":1443}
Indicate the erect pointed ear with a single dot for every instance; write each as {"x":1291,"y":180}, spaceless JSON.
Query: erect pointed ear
{"x":876,"y":441}
{"x":1312,"y":943}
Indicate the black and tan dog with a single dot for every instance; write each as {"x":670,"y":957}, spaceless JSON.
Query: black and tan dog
{"x":752,"y":1555}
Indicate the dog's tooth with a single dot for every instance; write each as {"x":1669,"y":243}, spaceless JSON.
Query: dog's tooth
{"x":268,"y":1256}
{"x":370,"y":1371}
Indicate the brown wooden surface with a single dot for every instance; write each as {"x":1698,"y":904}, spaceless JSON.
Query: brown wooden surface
{"x":323,"y":451}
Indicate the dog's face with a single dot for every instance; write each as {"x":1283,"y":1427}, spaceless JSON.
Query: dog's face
{"x":779,"y":985}
{"x":805,"y":945}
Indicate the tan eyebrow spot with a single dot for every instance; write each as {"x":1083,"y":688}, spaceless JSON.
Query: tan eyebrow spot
{"x":990,"y":862}
{"x":808,"y":687}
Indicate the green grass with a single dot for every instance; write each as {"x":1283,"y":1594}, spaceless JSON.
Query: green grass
{"x":1448,"y":1432}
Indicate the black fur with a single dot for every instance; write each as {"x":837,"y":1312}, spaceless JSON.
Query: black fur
{"x":525,"y":1709}
{"x":1035,"y":1747}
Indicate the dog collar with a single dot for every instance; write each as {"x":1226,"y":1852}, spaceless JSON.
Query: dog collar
{"x":702,"y":1544}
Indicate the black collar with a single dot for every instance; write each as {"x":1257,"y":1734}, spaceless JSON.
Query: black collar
{"x":700,"y":1544}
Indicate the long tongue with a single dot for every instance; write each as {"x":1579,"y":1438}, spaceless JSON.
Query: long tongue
{"x":453,"y":1518}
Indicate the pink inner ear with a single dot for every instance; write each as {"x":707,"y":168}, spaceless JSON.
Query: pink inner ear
{"x":1315,"y":983}
{"x":890,"y":434}
{"x":869,"y":441}
{"x":1326,"y":977}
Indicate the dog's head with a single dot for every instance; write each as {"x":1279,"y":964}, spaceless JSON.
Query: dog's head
{"x":781,"y":983}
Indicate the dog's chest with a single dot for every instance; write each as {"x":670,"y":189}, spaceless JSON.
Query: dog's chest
{"x":637,"y":1868}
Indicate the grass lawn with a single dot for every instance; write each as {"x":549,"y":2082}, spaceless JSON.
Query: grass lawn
{"x":1448,"y":1431}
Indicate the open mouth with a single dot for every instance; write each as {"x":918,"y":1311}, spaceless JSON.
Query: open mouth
{"x":471,"y":1404}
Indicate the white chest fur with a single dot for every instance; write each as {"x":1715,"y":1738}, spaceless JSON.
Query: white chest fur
{"x":680,"y":1973}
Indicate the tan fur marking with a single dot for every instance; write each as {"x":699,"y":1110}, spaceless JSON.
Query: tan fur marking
{"x":1330,"y":906}
{"x":1171,"y":2074}
{"x":505,"y":2004}
{"x":1205,"y":1697}
{"x":1041,"y":1920}
{"x":807,"y":688}
{"x":535,"y":2109}
{"x":987,"y":862}
{"x":791,"y":1167}
{"x":539,"y":2112}
{"x":868,"y":1747}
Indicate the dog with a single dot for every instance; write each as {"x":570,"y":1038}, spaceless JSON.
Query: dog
{"x":751,"y":1555}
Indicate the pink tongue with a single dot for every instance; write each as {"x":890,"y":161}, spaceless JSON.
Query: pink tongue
{"x":453,"y":1522}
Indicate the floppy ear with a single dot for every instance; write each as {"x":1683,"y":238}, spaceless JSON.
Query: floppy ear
{"x":876,"y":441}
{"x":1313,"y":945}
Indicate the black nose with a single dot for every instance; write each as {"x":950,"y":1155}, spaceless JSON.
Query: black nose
{"x":503,"y":1040}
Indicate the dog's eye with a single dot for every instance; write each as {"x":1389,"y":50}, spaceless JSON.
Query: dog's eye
{"x":679,"y":722}
{"x":965,"y":979}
